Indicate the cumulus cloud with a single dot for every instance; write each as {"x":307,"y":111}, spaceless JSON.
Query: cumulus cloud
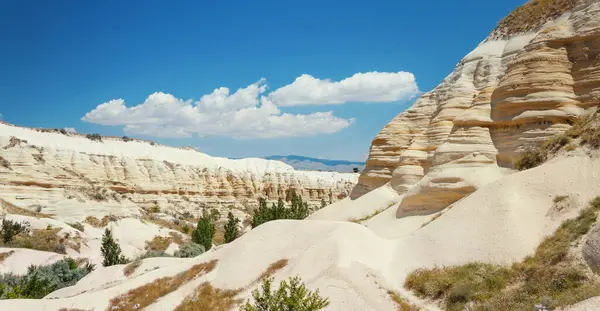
{"x":251,"y":112}
{"x":361,"y":87}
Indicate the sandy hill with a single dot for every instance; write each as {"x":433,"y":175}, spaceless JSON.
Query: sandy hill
{"x":440,"y":189}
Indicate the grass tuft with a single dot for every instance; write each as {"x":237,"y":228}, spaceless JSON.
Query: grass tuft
{"x":5,"y":255}
{"x":530,"y":158}
{"x":402,"y":304}
{"x":274,"y":267}
{"x":548,"y":276}
{"x":559,"y":198}
{"x":208,"y":298}
{"x":533,"y":15}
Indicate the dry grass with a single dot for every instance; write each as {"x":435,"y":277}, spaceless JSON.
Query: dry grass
{"x":208,"y":298}
{"x":588,"y":129}
{"x":549,"y":275}
{"x":434,"y":217}
{"x":168,"y":224}
{"x":41,"y":240}
{"x":570,"y":147}
{"x":97,"y":223}
{"x":158,"y":243}
{"x":359,"y":220}
{"x":131,"y":267}
{"x":402,"y":304}
{"x":5,"y":255}
{"x":274,"y":267}
{"x":145,"y":295}
{"x":72,"y":309}
{"x":13,"y":209}
{"x":532,"y":15}
{"x":556,"y":142}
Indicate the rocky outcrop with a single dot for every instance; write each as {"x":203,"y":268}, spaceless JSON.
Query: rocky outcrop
{"x":47,"y":167}
{"x":516,"y":88}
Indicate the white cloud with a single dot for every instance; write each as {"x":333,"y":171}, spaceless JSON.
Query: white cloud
{"x":361,"y":87}
{"x":70,"y":130}
{"x":250,"y":112}
{"x":243,"y":114}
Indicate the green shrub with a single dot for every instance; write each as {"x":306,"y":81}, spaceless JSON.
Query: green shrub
{"x":189,"y":250}
{"x":298,"y":210}
{"x":153,"y":254}
{"x":126,"y":139}
{"x":94,"y":137}
{"x":204,"y":232}
{"x":530,"y":158}
{"x":42,"y":280}
{"x":556,"y":142}
{"x":293,"y":296}
{"x":111,"y":251}
{"x":77,"y":225}
{"x":11,"y":228}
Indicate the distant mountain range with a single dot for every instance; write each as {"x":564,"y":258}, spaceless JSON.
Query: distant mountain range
{"x":314,"y":164}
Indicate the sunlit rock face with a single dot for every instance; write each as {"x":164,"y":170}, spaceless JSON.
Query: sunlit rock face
{"x":515,"y":89}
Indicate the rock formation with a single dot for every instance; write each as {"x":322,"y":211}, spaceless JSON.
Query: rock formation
{"x":536,"y":72}
{"x":44,"y":166}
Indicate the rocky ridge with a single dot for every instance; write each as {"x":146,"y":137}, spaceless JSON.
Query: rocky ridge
{"x":51,"y":169}
{"x":523,"y":84}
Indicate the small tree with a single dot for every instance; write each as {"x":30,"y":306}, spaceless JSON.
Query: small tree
{"x":204,"y":232}
{"x":231,"y":228}
{"x":111,"y":251}
{"x":11,"y":228}
{"x":291,"y":297}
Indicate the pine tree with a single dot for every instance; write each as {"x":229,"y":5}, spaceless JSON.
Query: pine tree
{"x":231,"y":229}
{"x":260,"y":216}
{"x":203,"y":234}
{"x":111,"y":251}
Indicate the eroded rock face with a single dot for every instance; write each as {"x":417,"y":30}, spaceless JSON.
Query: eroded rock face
{"x":49,"y":167}
{"x":591,"y":250}
{"x":511,"y":91}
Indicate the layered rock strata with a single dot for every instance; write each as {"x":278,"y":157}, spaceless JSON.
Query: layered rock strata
{"x":515,"y":89}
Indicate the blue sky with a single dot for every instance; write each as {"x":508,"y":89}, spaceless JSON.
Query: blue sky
{"x":60,"y":60}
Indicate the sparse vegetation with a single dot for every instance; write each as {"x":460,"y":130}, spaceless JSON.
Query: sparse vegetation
{"x":78,"y":226}
{"x":42,"y":280}
{"x":132,"y":266}
{"x":532,"y":15}
{"x":126,"y":139}
{"x":402,"y":304}
{"x":289,"y":296}
{"x":559,"y":198}
{"x":208,"y":298}
{"x":111,"y":251}
{"x":94,"y":137}
{"x":298,"y":210}
{"x":570,"y":147}
{"x":231,"y":228}
{"x":145,"y":295}
{"x":4,"y":163}
{"x":550,"y":275}
{"x":274,"y":267}
{"x":5,"y":255}
{"x":556,"y":142}
{"x":434,"y":217}
{"x":158,"y":243}
{"x":530,"y":158}
{"x":359,"y":220}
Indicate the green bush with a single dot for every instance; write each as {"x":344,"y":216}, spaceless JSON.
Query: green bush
{"x":204,"y":232}
{"x":298,"y":210}
{"x":11,"y":228}
{"x":94,"y":137}
{"x":292,"y":296}
{"x":189,"y":250}
{"x":111,"y":251}
{"x":530,"y":158}
{"x":42,"y":280}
